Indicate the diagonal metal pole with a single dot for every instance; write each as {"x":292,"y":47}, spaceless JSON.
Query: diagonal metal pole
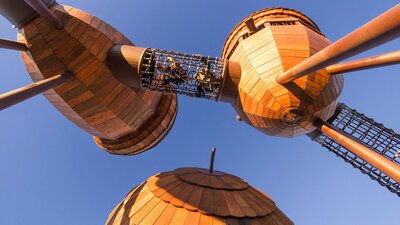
{"x":383,"y":28}
{"x":42,"y":9}
{"x":383,"y":164}
{"x":13,"y":97}
{"x":386,"y":59}
{"x":13,"y":45}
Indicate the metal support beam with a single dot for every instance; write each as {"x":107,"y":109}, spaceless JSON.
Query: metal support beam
{"x":386,"y":59}
{"x":13,"y":45}
{"x":13,"y":97}
{"x":42,"y":10}
{"x":383,"y":28}
{"x":388,"y":167}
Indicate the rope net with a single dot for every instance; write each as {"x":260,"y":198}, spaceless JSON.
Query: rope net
{"x":191,"y":75}
{"x":370,"y":133}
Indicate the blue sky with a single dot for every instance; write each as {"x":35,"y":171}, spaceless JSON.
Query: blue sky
{"x":51,"y":172}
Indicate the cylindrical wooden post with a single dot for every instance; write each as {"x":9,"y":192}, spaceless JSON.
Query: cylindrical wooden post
{"x":124,"y":62}
{"x":42,"y":9}
{"x":13,"y":97}
{"x":13,"y":45}
{"x":388,"y":167}
{"x":365,"y":63}
{"x":383,"y":28}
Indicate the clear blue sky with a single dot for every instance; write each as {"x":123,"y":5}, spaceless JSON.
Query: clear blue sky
{"x":51,"y":172}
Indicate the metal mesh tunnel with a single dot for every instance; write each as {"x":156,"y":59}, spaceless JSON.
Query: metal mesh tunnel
{"x":368,"y":132}
{"x":191,"y":75}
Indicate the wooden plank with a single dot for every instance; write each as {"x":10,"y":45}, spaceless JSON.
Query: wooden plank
{"x":194,"y":200}
{"x":166,"y":216}
{"x":155,"y":214}
{"x":192,"y":218}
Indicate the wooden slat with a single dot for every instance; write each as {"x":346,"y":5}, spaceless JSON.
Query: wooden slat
{"x":179,"y":217}
{"x":152,"y":216}
{"x":166,"y":216}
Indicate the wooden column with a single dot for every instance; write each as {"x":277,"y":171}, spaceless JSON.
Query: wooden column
{"x":124,"y":62}
{"x":13,"y":97}
{"x":380,"y":162}
{"x":384,"y":28}
{"x":42,"y":9}
{"x":365,"y":63}
{"x":13,"y":45}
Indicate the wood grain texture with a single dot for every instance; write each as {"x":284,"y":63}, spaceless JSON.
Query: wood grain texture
{"x":192,"y":196}
{"x":284,"y":38}
{"x":259,"y":17}
{"x":122,"y":120}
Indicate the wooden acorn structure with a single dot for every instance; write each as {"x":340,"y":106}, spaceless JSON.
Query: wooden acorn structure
{"x":195,"y":196}
{"x":277,"y":69}
{"x":265,"y":44}
{"x":122,"y":120}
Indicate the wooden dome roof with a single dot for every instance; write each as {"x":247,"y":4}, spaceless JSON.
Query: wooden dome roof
{"x":260,"y":17}
{"x":192,"y":196}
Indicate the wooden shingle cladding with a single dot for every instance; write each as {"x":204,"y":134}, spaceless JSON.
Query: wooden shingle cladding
{"x":284,"y":38}
{"x":263,"y":18}
{"x":95,"y":101}
{"x":192,"y":196}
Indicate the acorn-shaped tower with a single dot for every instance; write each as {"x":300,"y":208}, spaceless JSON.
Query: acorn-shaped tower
{"x":62,"y":41}
{"x":265,"y":44}
{"x":194,"y":196}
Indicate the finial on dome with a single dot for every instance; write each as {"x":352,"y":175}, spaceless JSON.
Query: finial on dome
{"x":212,"y":160}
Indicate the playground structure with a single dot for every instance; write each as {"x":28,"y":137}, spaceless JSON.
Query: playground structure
{"x":277,"y":70}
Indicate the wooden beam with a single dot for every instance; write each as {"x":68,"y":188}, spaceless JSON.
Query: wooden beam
{"x":377,"y":160}
{"x":13,"y":97}
{"x":42,"y":10}
{"x":251,"y":25}
{"x":365,"y":63}
{"x":13,"y":45}
{"x":382,"y":29}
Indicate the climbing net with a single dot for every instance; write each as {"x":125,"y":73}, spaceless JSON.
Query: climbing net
{"x":192,"y":75}
{"x":372,"y":134}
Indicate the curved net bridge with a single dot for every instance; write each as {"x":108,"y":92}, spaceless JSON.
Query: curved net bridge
{"x":192,"y":75}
